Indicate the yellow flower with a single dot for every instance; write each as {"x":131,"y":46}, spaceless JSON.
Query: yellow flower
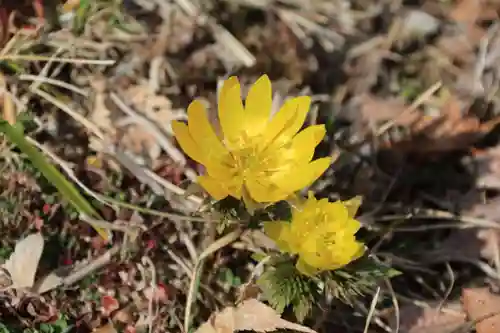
{"x":256,"y":156}
{"x":321,"y":233}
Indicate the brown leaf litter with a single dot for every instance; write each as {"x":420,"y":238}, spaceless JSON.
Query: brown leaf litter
{"x":476,"y":237}
{"x":429,"y":318}
{"x":487,"y":163}
{"x":452,"y":129}
{"x":250,"y":315}
{"x":478,"y":307}
{"x":128,"y":132}
{"x":482,"y":307}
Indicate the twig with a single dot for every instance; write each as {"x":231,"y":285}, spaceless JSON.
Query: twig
{"x":373,"y":305}
{"x":61,"y":60}
{"x":437,"y":214}
{"x":75,"y":115}
{"x":163,"y":141}
{"x":92,"y":266}
{"x":54,"y":82}
{"x":419,"y":101}
{"x":215,"y":246}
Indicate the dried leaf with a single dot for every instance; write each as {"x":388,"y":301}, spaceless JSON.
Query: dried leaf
{"x":374,"y":110}
{"x":415,"y":319}
{"x":109,"y":304}
{"x":449,"y":131}
{"x":108,"y":328}
{"x":466,"y":11}
{"x":48,"y":283}
{"x":8,"y":107}
{"x":100,"y":114}
{"x":23,"y":262}
{"x":488,"y":168}
{"x":471,"y":244}
{"x":38,"y":309}
{"x":483,"y":307}
{"x":158,"y":109}
{"x":250,"y":315}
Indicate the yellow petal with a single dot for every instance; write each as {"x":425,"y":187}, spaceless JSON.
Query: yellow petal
{"x":305,"y":142}
{"x":202,"y":132}
{"x":231,"y":112}
{"x":186,"y":142}
{"x":337,"y":213}
{"x":353,"y":205}
{"x":250,"y":204}
{"x":345,"y":252}
{"x":213,"y":187}
{"x":352,"y":226}
{"x":287,"y":122}
{"x":301,"y":177}
{"x":231,"y":182}
{"x":278,"y":231}
{"x":262,"y":191}
{"x":304,"y":268}
{"x":258,"y":106}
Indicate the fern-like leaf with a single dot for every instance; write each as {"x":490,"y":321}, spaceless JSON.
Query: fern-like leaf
{"x":282,"y":286}
{"x":357,"y":279}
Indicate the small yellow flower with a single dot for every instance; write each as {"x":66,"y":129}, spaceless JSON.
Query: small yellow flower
{"x":321,"y":233}
{"x":256,"y":156}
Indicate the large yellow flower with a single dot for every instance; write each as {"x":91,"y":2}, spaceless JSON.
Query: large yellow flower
{"x":321,"y":233}
{"x":256,"y":156}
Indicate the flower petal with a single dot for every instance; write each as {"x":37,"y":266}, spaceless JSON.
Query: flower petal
{"x":305,"y":269}
{"x":338,"y":215}
{"x":287,"y":121}
{"x":186,"y":142}
{"x":231,"y":112}
{"x":258,"y":106}
{"x":353,"y":205}
{"x":213,"y":187}
{"x":203,"y":133}
{"x":305,"y":142}
{"x":261,"y":190}
{"x":301,"y":177}
{"x":352,"y":226}
{"x":278,"y":231}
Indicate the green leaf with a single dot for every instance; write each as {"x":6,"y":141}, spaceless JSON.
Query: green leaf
{"x":67,"y":190}
{"x":282,"y":286}
{"x":357,"y":279}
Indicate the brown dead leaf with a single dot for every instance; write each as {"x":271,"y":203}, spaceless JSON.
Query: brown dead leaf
{"x":158,"y":109}
{"x":472,"y":244}
{"x":488,"y":168}
{"x":363,"y":70}
{"x":37,"y":309}
{"x":109,"y":304}
{"x":460,"y":45}
{"x":472,"y":11}
{"x":483,"y":307}
{"x":23,"y":262}
{"x":7,"y":104}
{"x":250,"y":315}
{"x":449,"y":131}
{"x":108,"y":328}
{"x":467,"y":245}
{"x":100,"y":114}
{"x":466,"y":11}
{"x":457,"y":48}
{"x":374,"y":110}
{"x":415,"y":319}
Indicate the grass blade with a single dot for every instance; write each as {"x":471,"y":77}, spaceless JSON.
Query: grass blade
{"x":67,"y":190}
